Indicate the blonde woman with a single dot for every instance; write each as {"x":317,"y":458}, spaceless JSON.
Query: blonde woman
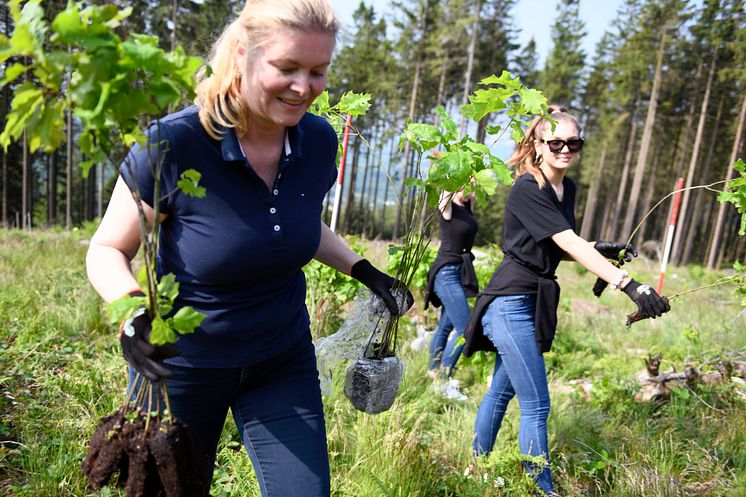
{"x":238,"y":252}
{"x":516,"y":314}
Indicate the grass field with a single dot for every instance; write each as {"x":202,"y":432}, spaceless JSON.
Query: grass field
{"x":61,"y":370}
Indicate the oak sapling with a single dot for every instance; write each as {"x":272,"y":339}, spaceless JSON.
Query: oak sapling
{"x":84,"y":71}
{"x":456,"y":163}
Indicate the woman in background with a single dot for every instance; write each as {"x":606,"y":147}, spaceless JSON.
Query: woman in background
{"x":517,"y":312}
{"x":450,"y":282}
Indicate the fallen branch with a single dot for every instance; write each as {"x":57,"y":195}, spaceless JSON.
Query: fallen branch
{"x":656,"y":386}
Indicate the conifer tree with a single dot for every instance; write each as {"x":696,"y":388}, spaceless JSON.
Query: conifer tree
{"x":564,"y":69}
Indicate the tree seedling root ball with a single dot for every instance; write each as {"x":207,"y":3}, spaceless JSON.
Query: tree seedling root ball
{"x":371,"y":384}
{"x":157,"y":460}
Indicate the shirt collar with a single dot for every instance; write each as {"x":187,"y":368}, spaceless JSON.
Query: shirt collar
{"x":231,"y":150}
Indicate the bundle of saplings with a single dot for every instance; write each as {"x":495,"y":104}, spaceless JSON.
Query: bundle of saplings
{"x":151,"y":453}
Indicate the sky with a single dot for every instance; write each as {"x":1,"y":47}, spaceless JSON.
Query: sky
{"x":532,"y":17}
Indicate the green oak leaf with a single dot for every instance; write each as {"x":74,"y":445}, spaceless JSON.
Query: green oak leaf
{"x":124,"y":307}
{"x":12,"y":72}
{"x":186,"y":320}
{"x":189,"y":183}
{"x":533,"y":101}
{"x":168,"y":287}
{"x":355,"y":104}
{"x":447,"y":123}
{"x":422,"y":137}
{"x":487,"y":180}
{"x":161,"y":333}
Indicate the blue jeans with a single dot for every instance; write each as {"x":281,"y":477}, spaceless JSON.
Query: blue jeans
{"x":276,"y":405}
{"x":454,"y":314}
{"x":519,"y":370}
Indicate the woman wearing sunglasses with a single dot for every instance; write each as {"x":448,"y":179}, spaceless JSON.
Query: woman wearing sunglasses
{"x":517,"y":313}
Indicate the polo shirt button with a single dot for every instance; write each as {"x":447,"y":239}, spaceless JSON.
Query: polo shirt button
{"x":275,"y":191}
{"x":272,"y":210}
{"x":277,"y":227}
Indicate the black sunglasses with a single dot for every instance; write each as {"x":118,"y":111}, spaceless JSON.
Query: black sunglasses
{"x":556,"y":146}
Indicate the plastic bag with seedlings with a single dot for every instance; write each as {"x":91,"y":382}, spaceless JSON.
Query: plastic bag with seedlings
{"x":365,"y":317}
{"x":368,"y":337}
{"x":153,"y":454}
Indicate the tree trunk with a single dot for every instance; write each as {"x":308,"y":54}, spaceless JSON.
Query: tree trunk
{"x":90,"y":194}
{"x":6,"y":93}
{"x":683,"y":140}
{"x":717,"y":233}
{"x":25,"y":185}
{"x":173,"y":20}
{"x":685,"y":224}
{"x":374,"y":152}
{"x":365,"y":192}
{"x":470,"y":64}
{"x":613,"y":225}
{"x":351,"y":187}
{"x":100,"y":192}
{"x":376,"y":178}
{"x":586,"y":229}
{"x":69,"y":174}
{"x":5,"y":190}
{"x":648,"y":199}
{"x":729,"y":238}
{"x":606,"y":219}
{"x":698,"y":220}
{"x":389,"y":185}
{"x":442,"y":82}
{"x":405,"y":156}
{"x":51,"y":179}
{"x":647,"y":134}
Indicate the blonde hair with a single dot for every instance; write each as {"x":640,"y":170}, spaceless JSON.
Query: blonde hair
{"x":524,"y":156}
{"x":219,"y":84}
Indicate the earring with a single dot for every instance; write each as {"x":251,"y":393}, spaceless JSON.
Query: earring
{"x":538,"y":158}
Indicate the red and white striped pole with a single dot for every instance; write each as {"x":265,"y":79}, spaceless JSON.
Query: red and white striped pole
{"x":671,"y":228}
{"x":341,"y":175}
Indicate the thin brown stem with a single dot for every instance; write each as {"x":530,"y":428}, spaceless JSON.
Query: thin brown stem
{"x":695,"y":187}
{"x":722,"y":281}
{"x":147,"y":411}
{"x":168,"y":402}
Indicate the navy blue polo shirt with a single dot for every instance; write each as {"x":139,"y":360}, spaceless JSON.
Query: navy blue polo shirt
{"x":238,"y":252}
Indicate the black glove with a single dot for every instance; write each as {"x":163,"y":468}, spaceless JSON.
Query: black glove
{"x":139,"y":352}
{"x":381,"y":284}
{"x":599,"y":286}
{"x":648,"y":301}
{"x":611,"y":250}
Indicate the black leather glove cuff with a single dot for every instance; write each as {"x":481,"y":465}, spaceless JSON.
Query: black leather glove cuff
{"x":365,"y":273}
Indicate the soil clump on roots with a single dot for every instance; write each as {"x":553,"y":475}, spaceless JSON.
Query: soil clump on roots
{"x":153,"y":457}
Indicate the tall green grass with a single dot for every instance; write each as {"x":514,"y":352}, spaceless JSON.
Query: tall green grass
{"x":61,"y":370}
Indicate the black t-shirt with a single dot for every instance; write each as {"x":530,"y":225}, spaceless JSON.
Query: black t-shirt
{"x":456,"y":240}
{"x":457,"y":234}
{"x":532,"y":216}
